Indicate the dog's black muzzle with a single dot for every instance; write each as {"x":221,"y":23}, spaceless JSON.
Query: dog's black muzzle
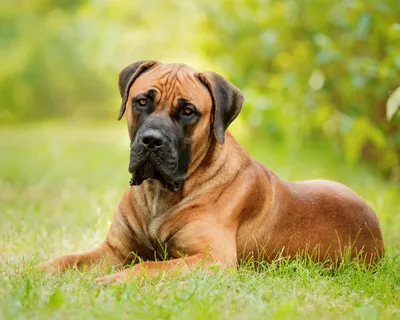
{"x":155,"y":155}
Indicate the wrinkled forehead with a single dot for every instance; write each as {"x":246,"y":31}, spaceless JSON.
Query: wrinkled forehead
{"x":173,"y":82}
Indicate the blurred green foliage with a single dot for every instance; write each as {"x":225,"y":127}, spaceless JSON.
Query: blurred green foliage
{"x":314,"y":68}
{"x":309,"y":69}
{"x":61,"y":58}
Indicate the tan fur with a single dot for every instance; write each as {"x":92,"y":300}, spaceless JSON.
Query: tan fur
{"x":231,"y":207}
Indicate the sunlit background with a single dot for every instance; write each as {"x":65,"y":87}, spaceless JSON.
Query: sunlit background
{"x":319,"y":79}
{"x":316,"y":76}
{"x":309,"y":69}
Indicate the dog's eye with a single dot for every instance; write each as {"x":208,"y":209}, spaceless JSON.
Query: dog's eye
{"x":142,"y":102}
{"x":187,"y":111}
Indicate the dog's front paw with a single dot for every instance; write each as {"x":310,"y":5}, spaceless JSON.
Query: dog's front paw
{"x":119,"y":277}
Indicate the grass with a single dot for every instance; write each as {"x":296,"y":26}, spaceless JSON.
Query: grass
{"x":60,"y":183}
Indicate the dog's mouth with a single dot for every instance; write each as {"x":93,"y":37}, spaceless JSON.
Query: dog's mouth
{"x":149,"y":171}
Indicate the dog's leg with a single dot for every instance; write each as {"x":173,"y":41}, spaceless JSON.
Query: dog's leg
{"x":102,"y":254}
{"x":153,"y":268}
{"x":220,"y":253}
{"x":121,"y":242}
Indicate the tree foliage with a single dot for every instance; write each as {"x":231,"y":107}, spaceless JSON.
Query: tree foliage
{"x":62,"y":58}
{"x":312,"y":68}
{"x":309,"y":69}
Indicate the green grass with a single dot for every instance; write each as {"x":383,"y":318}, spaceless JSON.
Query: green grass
{"x":60,"y":183}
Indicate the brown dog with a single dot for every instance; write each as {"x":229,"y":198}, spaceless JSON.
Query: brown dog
{"x":197,"y":198}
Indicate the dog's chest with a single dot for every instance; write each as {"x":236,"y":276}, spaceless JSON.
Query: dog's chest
{"x":160,"y":206}
{"x":156,"y":238}
{"x":164,"y":235}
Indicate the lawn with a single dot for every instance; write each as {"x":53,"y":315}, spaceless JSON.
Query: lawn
{"x":59,"y":184}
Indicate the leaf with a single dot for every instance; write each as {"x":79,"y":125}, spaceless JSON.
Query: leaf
{"x":28,"y":288}
{"x":56,"y":299}
{"x":364,"y":25}
{"x":362,"y":129}
{"x":393,"y":104}
{"x":215,"y":266}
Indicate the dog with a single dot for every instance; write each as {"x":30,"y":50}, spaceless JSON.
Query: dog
{"x":198,"y":200}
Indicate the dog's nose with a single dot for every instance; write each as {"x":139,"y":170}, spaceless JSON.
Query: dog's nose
{"x":152,"y":140}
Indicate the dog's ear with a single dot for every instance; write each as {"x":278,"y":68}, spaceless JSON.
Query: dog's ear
{"x":127,"y":77}
{"x":227,"y":102}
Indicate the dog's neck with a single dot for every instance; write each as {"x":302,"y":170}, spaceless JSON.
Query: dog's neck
{"x":153,"y":198}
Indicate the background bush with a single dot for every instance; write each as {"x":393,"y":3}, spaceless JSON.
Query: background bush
{"x":314,"y":68}
{"x":310,"y":70}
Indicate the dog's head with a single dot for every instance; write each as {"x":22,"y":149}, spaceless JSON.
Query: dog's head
{"x":173,"y":113}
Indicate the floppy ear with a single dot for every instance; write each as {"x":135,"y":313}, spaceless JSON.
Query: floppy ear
{"x":127,"y":77}
{"x":227,"y":102}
